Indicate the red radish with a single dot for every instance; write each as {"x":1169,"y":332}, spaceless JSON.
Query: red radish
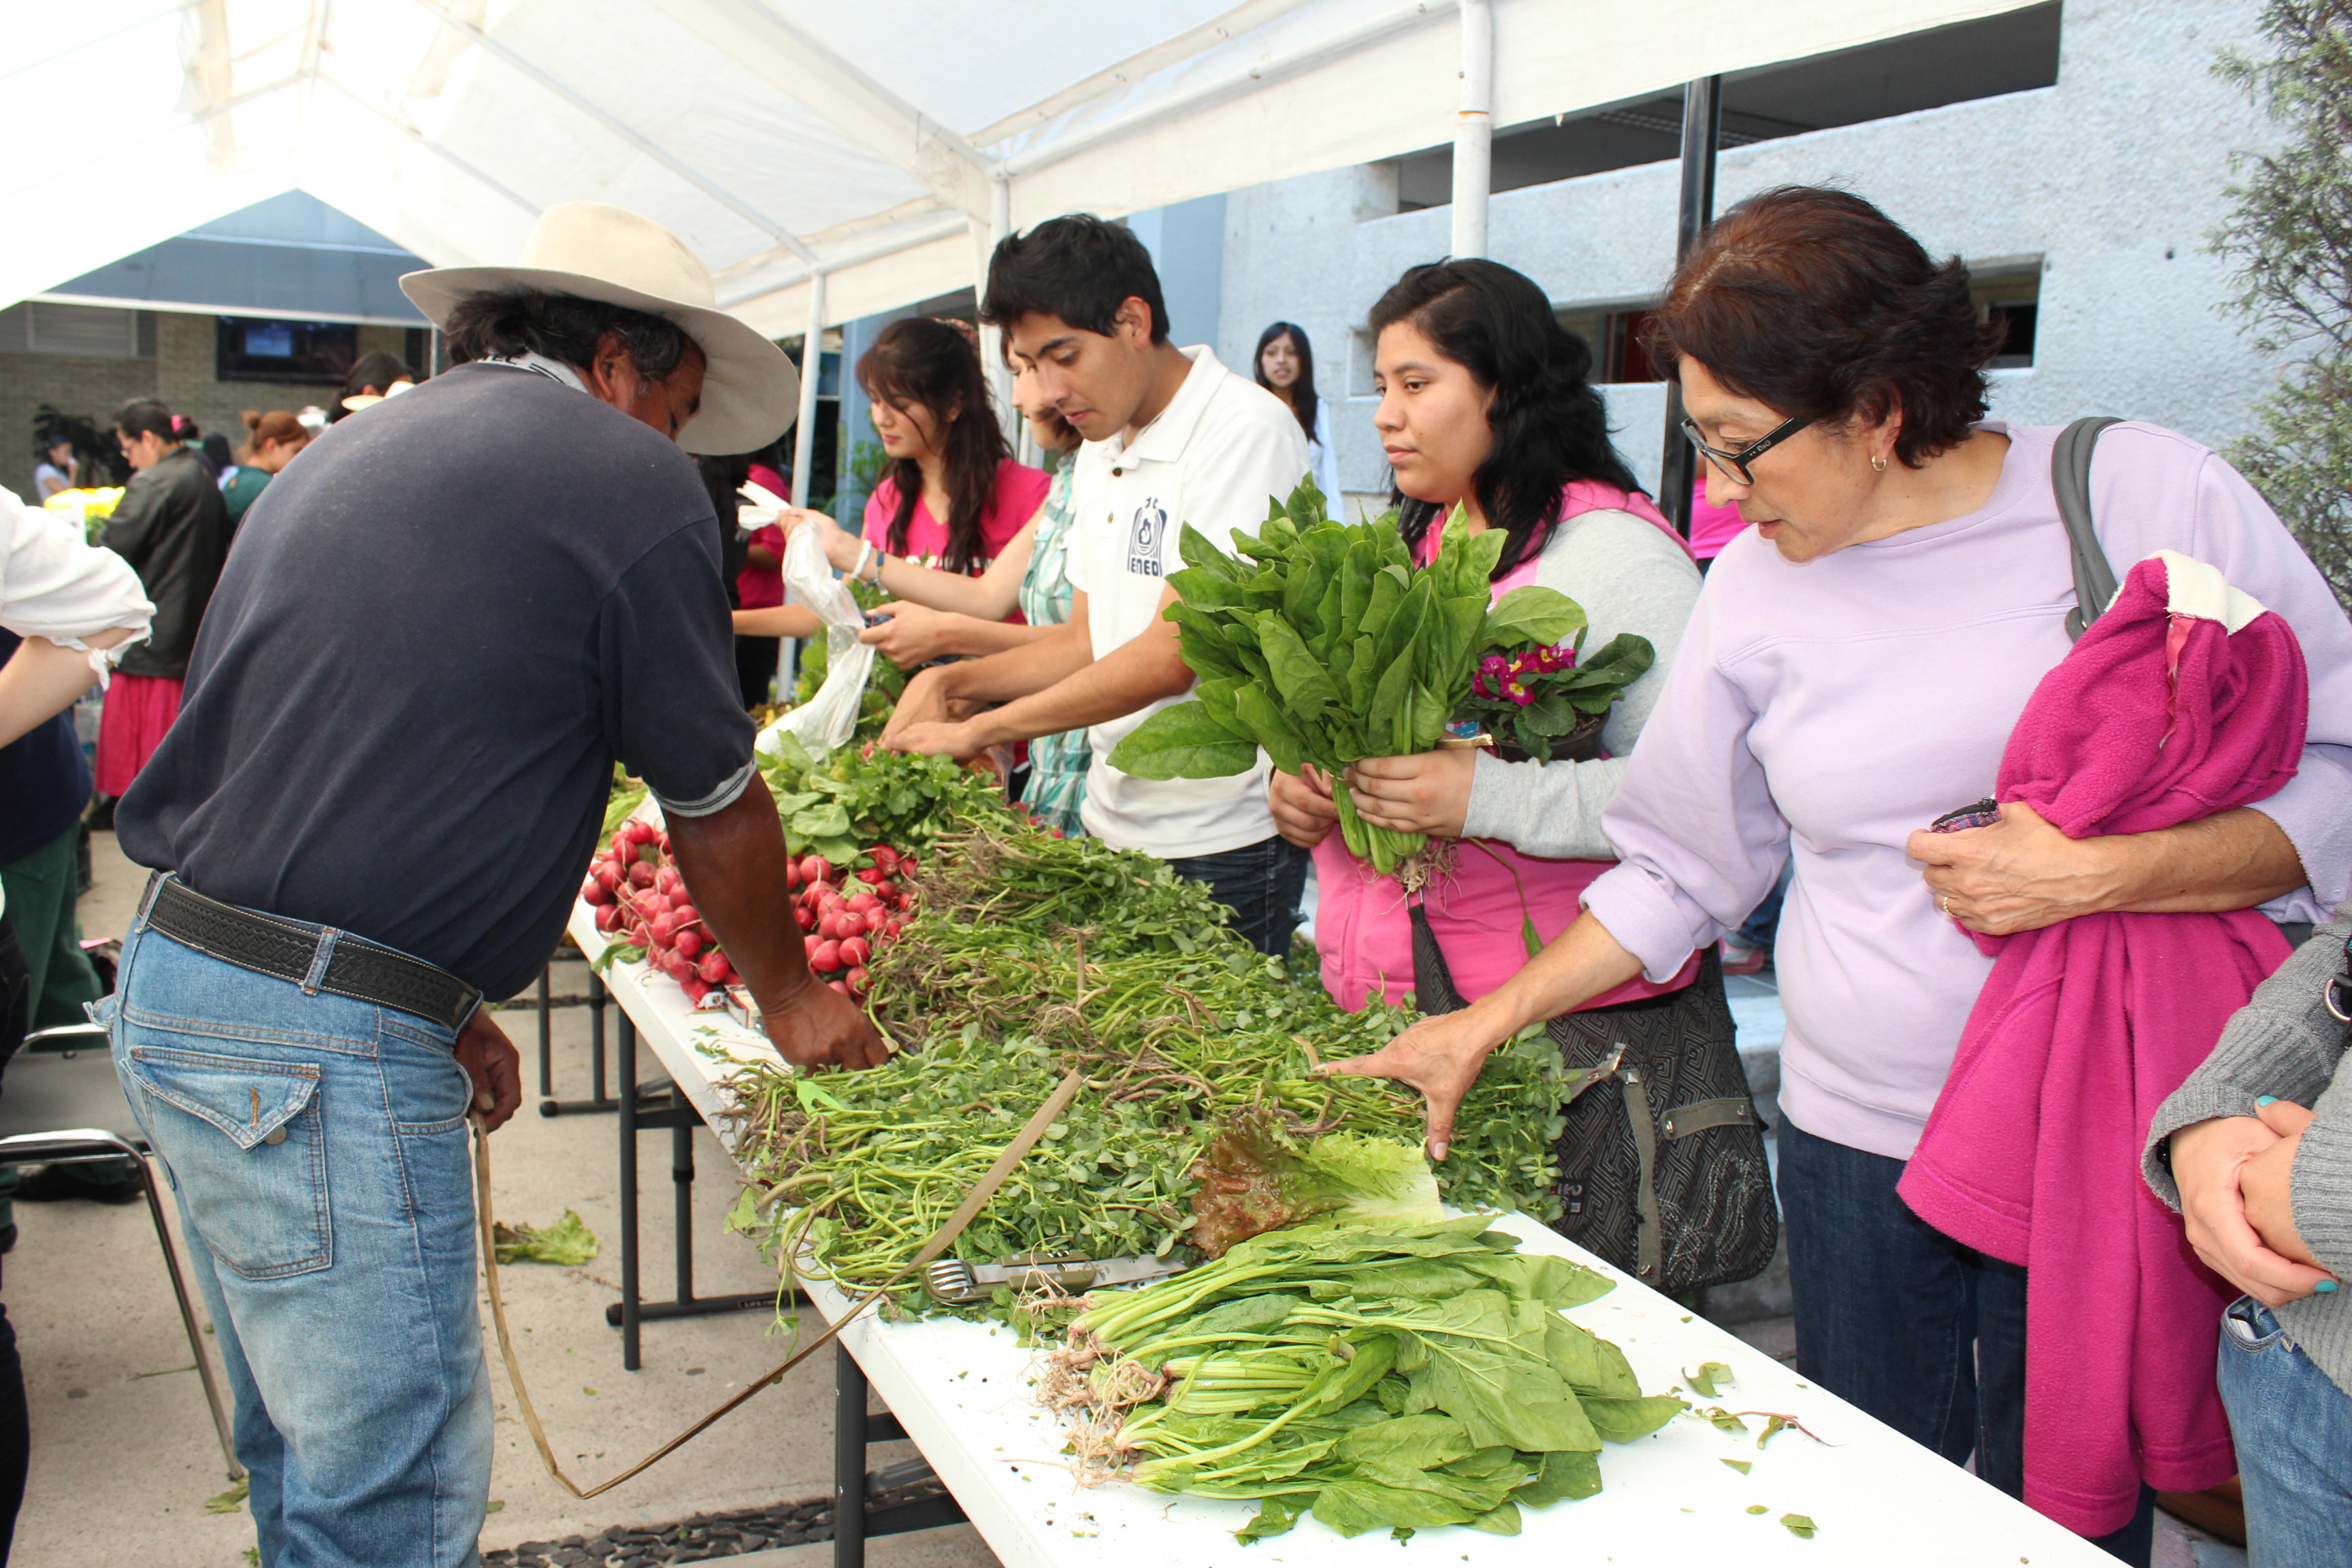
{"x":591,"y":891}
{"x":608,"y":876}
{"x":894,"y":927}
{"x":857,"y":978}
{"x":827,"y":957}
{"x":608,"y":918}
{"x":664,"y":930}
{"x":884,"y":855}
{"x":806,"y":917}
{"x":676,"y":968}
{"x":713,"y":967}
{"x":815,"y":869}
{"x":687,"y":942}
{"x":809,"y":944}
{"x":638,"y":830}
{"x":872,"y":875}
{"x":855,"y":952}
{"x":640,"y":875}
{"x":687,"y":915}
{"x":792,"y":875}
{"x":696,"y":990}
{"x":837,"y":985}
{"x":864,"y":903}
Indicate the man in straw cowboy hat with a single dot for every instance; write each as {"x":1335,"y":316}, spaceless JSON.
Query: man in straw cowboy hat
{"x":437,"y":634}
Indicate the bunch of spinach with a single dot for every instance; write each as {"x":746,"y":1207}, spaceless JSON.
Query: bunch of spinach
{"x":1393,"y":1377}
{"x":857,"y":795}
{"x":1331,"y":648}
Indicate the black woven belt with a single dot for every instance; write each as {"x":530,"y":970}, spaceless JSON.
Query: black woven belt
{"x":285,"y":949}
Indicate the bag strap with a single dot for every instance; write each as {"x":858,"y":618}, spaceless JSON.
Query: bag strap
{"x":2069,"y":477}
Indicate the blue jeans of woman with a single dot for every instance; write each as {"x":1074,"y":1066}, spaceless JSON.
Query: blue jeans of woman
{"x":1259,"y":884}
{"x":318,"y":1148}
{"x":2293,"y":1432}
{"x":1899,"y":1319}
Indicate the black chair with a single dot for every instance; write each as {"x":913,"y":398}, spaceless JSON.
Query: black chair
{"x":65,"y":1107}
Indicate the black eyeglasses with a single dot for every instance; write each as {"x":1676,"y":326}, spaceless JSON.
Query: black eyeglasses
{"x":1733,"y":465}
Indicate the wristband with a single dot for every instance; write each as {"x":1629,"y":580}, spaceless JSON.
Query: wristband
{"x":881,"y":557}
{"x":865,"y":550}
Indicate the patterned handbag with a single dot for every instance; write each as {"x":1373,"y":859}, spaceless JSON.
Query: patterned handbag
{"x":1661,"y":1168}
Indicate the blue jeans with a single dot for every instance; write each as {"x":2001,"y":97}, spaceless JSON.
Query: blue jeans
{"x":1260,"y":884}
{"x":1899,"y":1319}
{"x":318,"y":1146}
{"x":2293,"y":1432}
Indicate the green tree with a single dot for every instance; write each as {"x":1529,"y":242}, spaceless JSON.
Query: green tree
{"x":2291,"y":234}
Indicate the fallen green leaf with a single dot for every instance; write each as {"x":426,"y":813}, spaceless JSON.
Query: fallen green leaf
{"x":1708,"y":1377}
{"x":568,"y":1241}
{"x":1742,"y":1466}
{"x":230,"y":1500}
{"x":1756,"y":1507}
{"x":1803,"y":1529}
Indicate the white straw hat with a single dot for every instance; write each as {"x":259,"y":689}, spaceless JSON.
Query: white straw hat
{"x":751,"y":395}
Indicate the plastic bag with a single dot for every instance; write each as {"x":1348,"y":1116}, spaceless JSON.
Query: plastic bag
{"x":830,"y":718}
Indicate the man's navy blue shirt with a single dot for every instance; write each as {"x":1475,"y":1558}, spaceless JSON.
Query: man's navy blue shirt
{"x":439,"y":627}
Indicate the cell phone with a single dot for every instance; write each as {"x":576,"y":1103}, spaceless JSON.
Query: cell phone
{"x":1984,"y":813}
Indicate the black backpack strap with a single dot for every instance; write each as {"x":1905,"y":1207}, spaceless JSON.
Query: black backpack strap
{"x":2070,"y":475}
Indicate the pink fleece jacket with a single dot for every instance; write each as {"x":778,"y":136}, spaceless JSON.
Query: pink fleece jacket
{"x":2185,"y":699}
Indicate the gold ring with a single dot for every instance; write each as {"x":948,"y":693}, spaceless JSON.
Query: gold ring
{"x":1944,"y":906}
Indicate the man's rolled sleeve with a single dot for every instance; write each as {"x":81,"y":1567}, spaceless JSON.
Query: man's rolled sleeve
{"x":673,"y":709}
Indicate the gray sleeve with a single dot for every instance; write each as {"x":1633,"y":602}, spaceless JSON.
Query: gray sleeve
{"x":1630,"y":577}
{"x":2283,"y":1042}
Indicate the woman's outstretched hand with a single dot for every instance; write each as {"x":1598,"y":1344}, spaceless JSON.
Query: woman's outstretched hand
{"x":1441,"y":1056}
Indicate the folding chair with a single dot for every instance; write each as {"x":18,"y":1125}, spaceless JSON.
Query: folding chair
{"x":66,"y":1108}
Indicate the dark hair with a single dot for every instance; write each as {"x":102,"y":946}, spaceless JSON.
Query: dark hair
{"x":101,"y":459}
{"x":721,"y":478}
{"x":1078,"y":268}
{"x":930,"y":362}
{"x":1817,"y":304}
{"x":378,"y":368}
{"x":216,"y":452}
{"x":1550,"y":428}
{"x":563,"y":327}
{"x":146,"y":416}
{"x":1302,"y":391}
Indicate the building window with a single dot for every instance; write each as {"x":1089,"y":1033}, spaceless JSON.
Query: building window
{"x":2012,"y":294}
{"x":1614,"y":332}
{"x":83,"y":331}
{"x":317,"y":353}
{"x":2013,"y":52}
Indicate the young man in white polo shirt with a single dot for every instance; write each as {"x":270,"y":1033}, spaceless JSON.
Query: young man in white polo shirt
{"x":1172,"y":438}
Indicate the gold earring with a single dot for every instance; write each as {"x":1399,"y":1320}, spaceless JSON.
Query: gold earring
{"x":1878,"y":464}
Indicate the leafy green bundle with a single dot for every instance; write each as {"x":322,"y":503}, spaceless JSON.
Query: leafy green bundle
{"x":1391,"y":1378}
{"x":1331,"y":650}
{"x":1180,"y":1027}
{"x":859,"y":795}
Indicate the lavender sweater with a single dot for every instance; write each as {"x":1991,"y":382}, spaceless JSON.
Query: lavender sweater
{"x":1826,"y":710}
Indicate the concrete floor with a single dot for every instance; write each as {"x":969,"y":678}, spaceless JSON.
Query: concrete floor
{"x":123,"y":1452}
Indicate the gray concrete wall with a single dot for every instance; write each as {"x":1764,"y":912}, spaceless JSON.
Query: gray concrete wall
{"x":2113,"y":177}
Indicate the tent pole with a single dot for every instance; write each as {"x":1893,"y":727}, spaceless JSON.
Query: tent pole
{"x":1702,"y":130}
{"x":1473,"y":128}
{"x":991,"y":339}
{"x":812,"y":371}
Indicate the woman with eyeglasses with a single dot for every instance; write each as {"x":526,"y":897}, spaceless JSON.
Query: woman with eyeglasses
{"x":1852,"y":673}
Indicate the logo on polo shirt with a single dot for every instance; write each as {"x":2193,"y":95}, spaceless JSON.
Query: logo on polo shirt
{"x":1146,"y":535}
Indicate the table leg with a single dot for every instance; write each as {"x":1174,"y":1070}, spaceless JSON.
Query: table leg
{"x":598,"y":1099}
{"x":546,"y":1040}
{"x":629,"y":1284}
{"x":849,"y":1461}
{"x":681,"y":1176}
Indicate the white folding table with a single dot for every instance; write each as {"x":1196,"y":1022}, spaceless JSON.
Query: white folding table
{"x":961,"y":1392}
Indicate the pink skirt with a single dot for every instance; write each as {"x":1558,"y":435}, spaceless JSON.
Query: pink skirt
{"x":137,"y":714}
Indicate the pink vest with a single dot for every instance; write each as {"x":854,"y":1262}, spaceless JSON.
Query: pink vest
{"x":1363,"y":928}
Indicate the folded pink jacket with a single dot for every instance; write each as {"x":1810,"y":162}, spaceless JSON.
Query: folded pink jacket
{"x":2185,"y":699}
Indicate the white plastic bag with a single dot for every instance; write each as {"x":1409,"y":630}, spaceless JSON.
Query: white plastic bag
{"x":829,"y":718}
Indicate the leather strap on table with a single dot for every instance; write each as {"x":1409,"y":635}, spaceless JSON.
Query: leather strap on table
{"x":942,"y":1240}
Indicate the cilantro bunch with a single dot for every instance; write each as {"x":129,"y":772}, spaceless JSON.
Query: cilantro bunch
{"x":1331,"y":648}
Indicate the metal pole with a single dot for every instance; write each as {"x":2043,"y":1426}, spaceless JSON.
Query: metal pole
{"x":546,"y":1038}
{"x":848,"y":1460}
{"x":631,"y":1290}
{"x":991,"y":339}
{"x":1702,"y":130}
{"x":1473,"y":128}
{"x":681,"y":1176}
{"x":812,"y":372}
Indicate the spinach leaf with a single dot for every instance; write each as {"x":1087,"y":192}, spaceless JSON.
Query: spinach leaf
{"x":1181,"y":741}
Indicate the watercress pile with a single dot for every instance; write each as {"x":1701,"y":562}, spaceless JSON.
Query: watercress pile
{"x":1033,"y":955}
{"x":1380,"y":1377}
{"x":1332,"y":648}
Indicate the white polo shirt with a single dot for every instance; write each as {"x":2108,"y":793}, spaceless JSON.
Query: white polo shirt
{"x":1218,"y":451}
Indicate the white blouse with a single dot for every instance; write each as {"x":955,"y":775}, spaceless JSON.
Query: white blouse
{"x":55,"y":583}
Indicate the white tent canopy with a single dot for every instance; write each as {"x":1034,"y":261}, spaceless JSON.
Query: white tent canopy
{"x":880,"y":143}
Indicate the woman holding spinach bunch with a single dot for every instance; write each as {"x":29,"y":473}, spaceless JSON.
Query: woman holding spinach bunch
{"x":1485,"y":404}
{"x":939,"y":614}
{"x":1853,"y":673}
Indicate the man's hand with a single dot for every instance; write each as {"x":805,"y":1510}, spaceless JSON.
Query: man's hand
{"x":924,"y":702}
{"x":1301,"y":802}
{"x":1442,"y":1057}
{"x":491,"y":1060}
{"x":2209,"y":1160}
{"x":911,"y":634}
{"x":962,"y":740}
{"x":1426,"y":794}
{"x":815,"y":1025}
{"x":2021,"y":874}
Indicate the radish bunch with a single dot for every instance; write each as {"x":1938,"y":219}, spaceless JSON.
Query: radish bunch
{"x":637,"y":892}
{"x":846,"y":914}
